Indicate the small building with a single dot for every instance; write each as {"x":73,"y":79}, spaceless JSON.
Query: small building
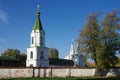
{"x":60,"y":62}
{"x":8,"y":61}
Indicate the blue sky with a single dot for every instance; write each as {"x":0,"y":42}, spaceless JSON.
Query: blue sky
{"x":61,"y":20}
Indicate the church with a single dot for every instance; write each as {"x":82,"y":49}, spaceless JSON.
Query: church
{"x":37,"y":53}
{"x":76,"y":57}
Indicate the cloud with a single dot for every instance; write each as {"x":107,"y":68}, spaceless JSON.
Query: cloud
{"x":3,"y":17}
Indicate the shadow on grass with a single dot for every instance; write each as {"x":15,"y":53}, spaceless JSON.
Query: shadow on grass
{"x":110,"y":72}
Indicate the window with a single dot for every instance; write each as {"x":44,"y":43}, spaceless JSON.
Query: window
{"x":32,"y":40}
{"x":41,"y":55}
{"x":31,"y":55}
{"x":41,"y":40}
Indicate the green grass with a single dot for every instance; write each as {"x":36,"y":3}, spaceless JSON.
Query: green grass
{"x":71,"y":78}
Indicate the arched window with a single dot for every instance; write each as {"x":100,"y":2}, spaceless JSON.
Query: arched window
{"x":41,"y":55}
{"x":31,"y":55}
{"x":32,"y":40}
{"x":41,"y":40}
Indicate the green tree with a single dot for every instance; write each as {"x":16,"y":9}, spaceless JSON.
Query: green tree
{"x":23,"y":58}
{"x":53,"y":53}
{"x":14,"y":53}
{"x":110,"y":39}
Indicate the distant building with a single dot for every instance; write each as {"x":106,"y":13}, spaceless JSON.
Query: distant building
{"x":37,"y":54}
{"x":72,"y":53}
{"x":77,"y":58}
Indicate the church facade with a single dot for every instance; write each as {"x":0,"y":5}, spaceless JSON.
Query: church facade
{"x":77,"y":58}
{"x":37,"y":53}
{"x":72,"y":53}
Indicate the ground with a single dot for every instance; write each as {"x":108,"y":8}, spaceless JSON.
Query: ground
{"x":71,"y":78}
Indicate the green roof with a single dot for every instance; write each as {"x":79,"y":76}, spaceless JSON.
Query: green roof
{"x":6,"y":58}
{"x":37,"y":25}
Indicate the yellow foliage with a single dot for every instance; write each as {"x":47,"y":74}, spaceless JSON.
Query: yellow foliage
{"x":91,"y":64}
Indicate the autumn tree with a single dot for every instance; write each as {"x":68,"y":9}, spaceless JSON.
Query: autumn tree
{"x":101,"y":40}
{"x":110,"y":37}
{"x":88,"y":38}
{"x":53,"y":53}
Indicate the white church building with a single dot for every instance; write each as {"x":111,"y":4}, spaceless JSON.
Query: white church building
{"x":37,"y":53}
{"x":76,"y":57}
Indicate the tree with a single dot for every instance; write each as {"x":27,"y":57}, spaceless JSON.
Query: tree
{"x":14,"y":53}
{"x":88,"y":38}
{"x":53,"y":53}
{"x":101,"y":41}
{"x":23,"y":58}
{"x":110,"y":39}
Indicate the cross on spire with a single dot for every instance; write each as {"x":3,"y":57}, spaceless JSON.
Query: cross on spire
{"x":38,"y":25}
{"x":38,"y":7}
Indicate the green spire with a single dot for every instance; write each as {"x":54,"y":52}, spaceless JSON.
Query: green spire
{"x":37,"y":25}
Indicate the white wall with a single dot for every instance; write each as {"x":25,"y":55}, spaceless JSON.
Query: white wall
{"x":52,"y":72}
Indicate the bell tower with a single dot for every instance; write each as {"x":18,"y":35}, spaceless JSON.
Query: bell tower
{"x":38,"y":34}
{"x":37,"y":54}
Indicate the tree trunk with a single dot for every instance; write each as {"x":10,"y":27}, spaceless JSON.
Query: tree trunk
{"x":97,"y":71}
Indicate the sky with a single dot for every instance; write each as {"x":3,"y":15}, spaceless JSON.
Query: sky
{"x":61,"y":20}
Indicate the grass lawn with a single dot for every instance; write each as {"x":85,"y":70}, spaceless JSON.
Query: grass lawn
{"x":71,"y":78}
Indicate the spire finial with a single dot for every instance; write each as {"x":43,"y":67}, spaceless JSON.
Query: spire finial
{"x":38,"y":7}
{"x":72,"y":41}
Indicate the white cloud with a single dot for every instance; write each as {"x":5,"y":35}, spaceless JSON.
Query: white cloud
{"x":3,"y":17}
